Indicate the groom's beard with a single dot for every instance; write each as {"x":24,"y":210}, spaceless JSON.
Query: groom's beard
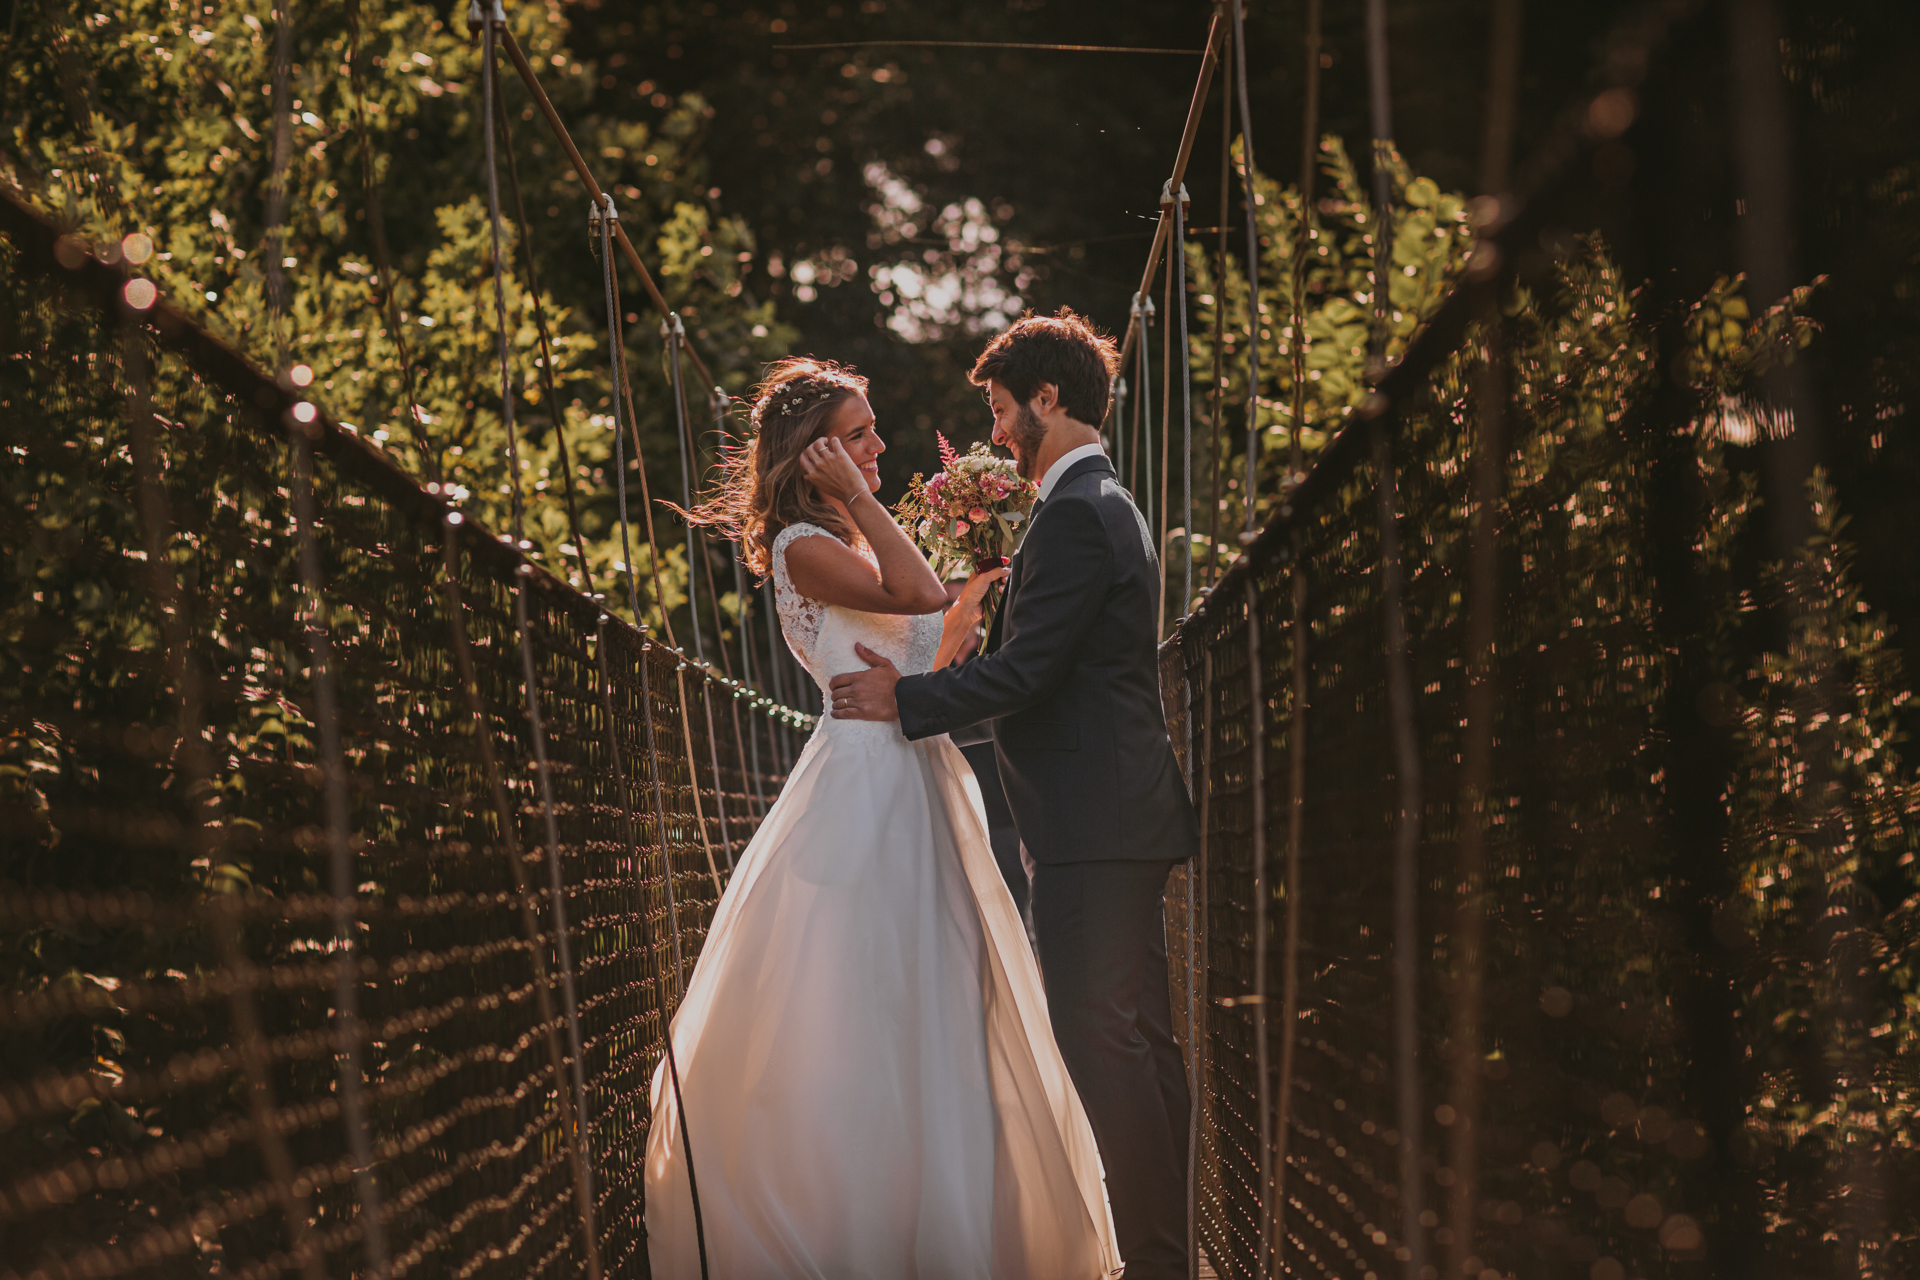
{"x":1026,"y":437}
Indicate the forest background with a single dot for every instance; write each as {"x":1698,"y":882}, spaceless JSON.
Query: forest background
{"x":890,"y":206}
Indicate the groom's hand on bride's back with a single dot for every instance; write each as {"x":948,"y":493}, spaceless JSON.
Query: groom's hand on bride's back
{"x":866,"y":695}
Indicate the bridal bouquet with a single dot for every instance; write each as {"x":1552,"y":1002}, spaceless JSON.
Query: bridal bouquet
{"x":972,"y":514}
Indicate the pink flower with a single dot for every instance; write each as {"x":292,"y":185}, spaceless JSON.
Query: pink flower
{"x":960,"y":528}
{"x":934,"y":485}
{"x":977,"y":514}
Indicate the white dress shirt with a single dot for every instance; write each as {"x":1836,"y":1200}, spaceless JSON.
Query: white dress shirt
{"x":1060,"y":465}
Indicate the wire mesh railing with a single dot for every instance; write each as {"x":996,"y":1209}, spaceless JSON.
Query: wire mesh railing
{"x":284,"y":988}
{"x":1592,"y":961}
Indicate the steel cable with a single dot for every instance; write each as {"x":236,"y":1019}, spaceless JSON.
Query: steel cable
{"x":1179,"y":291}
{"x":383,"y":252}
{"x":1215,"y":463}
{"x":744,"y":679}
{"x":523,"y":890}
{"x":1257,"y":731}
{"x":348,"y":1032}
{"x":548,"y":391}
{"x":1400,"y":697}
{"x":675,"y":333}
{"x":1253,"y":270}
{"x":666,"y":867}
{"x":1300,"y":635}
{"x":490,"y":18}
{"x":1487,"y":472}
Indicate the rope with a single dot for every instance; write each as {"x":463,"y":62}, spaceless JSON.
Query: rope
{"x":675,"y":333}
{"x":1142,"y":414}
{"x":333,"y":769}
{"x":608,"y":227}
{"x":594,"y":192}
{"x":988,"y":44}
{"x":1166,"y":422}
{"x":600,"y":224}
{"x":752,"y":743}
{"x":1253,"y":271}
{"x":1176,"y":285}
{"x":547,"y":389}
{"x":382,"y":252}
{"x":679,"y":960}
{"x":671,"y":332}
{"x":1220,"y":325}
{"x":348,"y":1031}
{"x":1406,"y":747}
{"x":529,"y":918}
{"x":1196,"y":973}
{"x":673,"y":915}
{"x":190,"y":759}
{"x":1487,"y":476}
{"x":1300,"y":640}
{"x":1257,"y":746}
{"x":273,"y":241}
{"x":1257,"y":733}
{"x":490,"y":19}
{"x":1216,"y":32}
{"x":782,"y":744}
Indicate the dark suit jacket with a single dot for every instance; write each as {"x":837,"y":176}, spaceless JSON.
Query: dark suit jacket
{"x":1073,"y":685}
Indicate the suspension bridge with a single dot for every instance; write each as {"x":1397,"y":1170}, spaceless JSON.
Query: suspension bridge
{"x":414,"y":844}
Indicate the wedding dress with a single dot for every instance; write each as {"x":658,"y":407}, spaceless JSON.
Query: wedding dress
{"x":871,"y":1084}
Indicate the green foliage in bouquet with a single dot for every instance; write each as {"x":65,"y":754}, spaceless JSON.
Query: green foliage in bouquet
{"x":971,"y":514}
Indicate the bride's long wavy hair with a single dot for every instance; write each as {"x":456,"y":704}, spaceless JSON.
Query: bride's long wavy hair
{"x":761,"y":489}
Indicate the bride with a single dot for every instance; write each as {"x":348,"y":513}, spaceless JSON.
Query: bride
{"x":870,"y":1082}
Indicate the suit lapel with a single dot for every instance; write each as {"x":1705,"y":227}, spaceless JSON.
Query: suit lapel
{"x":1097,"y":462}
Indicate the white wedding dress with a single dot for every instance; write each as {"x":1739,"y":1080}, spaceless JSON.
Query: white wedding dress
{"x":871,"y":1084}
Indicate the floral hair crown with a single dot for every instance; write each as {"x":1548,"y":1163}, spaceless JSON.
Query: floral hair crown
{"x":797,"y":396}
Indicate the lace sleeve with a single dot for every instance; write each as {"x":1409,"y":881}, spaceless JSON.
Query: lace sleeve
{"x":800,"y":617}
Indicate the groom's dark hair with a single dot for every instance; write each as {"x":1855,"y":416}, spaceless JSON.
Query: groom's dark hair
{"x":1064,"y":350}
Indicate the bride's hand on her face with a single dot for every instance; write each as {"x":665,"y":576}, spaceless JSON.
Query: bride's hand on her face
{"x":825,"y":465}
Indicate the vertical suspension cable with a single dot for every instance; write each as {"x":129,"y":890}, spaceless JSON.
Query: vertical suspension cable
{"x":601,"y":219}
{"x":1215,"y":463}
{"x":1406,"y":747}
{"x":383,"y":252}
{"x":490,"y":17}
{"x":673,"y":332}
{"x":190,"y":770}
{"x":1166,"y":423}
{"x":1142,"y":445}
{"x":548,"y":392}
{"x":1257,"y":729}
{"x":1300,"y":636}
{"x":775,"y":731}
{"x":633,"y":851}
{"x":673,"y":929}
{"x":347,"y":1030}
{"x":1252,"y":481}
{"x":1257,"y":771}
{"x":1487,"y":476}
{"x":523,"y":891}
{"x":1186,"y":405}
{"x":600,"y":225}
{"x":746,"y":743}
{"x":1197,"y":959}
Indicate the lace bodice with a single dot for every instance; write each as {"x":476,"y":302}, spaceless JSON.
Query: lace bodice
{"x":822,"y":636}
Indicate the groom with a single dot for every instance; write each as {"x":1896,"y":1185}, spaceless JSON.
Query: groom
{"x":1071,"y":687}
